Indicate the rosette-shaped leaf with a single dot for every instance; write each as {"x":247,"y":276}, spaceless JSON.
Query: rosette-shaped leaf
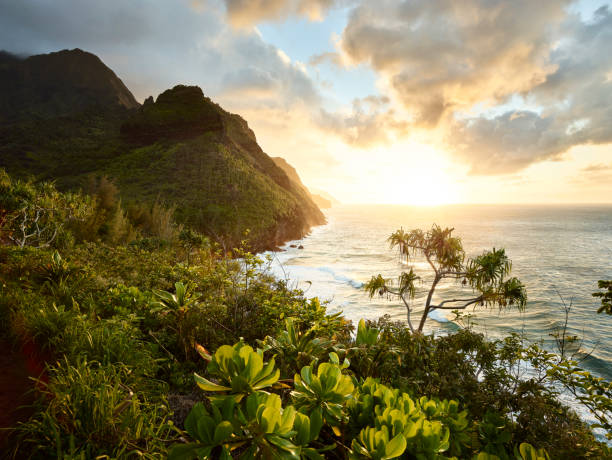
{"x":268,"y":428}
{"x":327,"y":390}
{"x":241,"y":371}
{"x":213,"y":433}
{"x":375,"y":444}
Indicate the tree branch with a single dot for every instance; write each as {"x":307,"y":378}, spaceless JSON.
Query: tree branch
{"x":407,"y":313}
{"x":453,"y":274}
{"x":468,"y":302}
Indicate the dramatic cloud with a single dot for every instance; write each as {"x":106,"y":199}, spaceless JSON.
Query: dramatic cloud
{"x":246,"y":13}
{"x":500,"y":85}
{"x":444,"y":59}
{"x":575,"y":101}
{"x":154,"y":45}
{"x":441,"y":56}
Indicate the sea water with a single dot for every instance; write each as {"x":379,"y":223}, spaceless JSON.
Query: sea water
{"x":558,"y":252}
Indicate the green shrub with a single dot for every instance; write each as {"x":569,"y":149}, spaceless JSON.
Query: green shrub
{"x":240,"y":370}
{"x":47,"y":325}
{"x":295,"y":349}
{"x":324,"y":389}
{"x":88,"y":410}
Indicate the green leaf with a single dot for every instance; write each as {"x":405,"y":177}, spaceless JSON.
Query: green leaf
{"x":395,"y":447}
{"x":188,"y":452}
{"x":316,"y":423}
{"x":222,"y":432}
{"x":302,"y":428}
{"x":270,"y":419}
{"x":207,"y":385}
{"x":205,"y":430}
{"x":191,"y":422}
{"x":285,"y":445}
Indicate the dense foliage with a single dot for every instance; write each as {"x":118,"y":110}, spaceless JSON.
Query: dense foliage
{"x":148,"y":355}
{"x":605,"y":294}
{"x":66,"y":116}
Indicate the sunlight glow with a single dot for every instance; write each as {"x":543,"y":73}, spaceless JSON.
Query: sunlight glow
{"x":405,"y":173}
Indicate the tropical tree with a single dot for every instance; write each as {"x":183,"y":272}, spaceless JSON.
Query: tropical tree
{"x":486,"y":275}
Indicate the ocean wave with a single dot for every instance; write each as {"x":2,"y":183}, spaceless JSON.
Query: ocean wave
{"x":438,"y":316}
{"x":342,"y":278}
{"x":598,"y":365}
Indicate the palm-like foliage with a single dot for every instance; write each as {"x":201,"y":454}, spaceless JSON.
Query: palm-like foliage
{"x":295,"y":348}
{"x":485,"y":274}
{"x":406,"y":289}
{"x":176,"y":306}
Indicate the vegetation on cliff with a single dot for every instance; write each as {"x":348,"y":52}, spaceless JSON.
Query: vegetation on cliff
{"x":166,"y":346}
{"x":66,"y":117}
{"x":320,"y":201}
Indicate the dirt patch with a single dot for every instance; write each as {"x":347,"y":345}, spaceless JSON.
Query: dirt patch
{"x":17,"y":367}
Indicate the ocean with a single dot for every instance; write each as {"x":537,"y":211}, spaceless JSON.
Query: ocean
{"x":558,"y":252}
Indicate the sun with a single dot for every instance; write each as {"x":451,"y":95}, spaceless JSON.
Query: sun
{"x":415,"y":174}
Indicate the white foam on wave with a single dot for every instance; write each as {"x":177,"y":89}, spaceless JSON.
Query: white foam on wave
{"x":342,"y":278}
{"x":438,"y":316}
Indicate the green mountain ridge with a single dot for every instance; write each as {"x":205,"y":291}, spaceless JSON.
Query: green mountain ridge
{"x":181,"y":148}
{"x":292,"y":173}
{"x":56,"y":84}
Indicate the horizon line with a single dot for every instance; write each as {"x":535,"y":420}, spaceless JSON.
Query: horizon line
{"x":555,"y":203}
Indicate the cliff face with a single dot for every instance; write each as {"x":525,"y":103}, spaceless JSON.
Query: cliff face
{"x":225,"y":183}
{"x":316,"y":198}
{"x":181,"y":148}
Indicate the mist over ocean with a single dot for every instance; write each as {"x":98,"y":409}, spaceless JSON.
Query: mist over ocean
{"x":556,"y":251}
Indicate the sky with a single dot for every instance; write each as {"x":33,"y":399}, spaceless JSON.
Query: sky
{"x":419,"y":102}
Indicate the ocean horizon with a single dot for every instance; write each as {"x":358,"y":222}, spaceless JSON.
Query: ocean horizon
{"x":558,"y":251}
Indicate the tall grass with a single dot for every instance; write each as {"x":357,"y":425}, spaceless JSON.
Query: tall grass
{"x":88,"y":411}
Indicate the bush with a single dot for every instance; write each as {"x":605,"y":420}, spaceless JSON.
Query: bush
{"x":126,"y":324}
{"x":89,"y":410}
{"x":327,"y":410}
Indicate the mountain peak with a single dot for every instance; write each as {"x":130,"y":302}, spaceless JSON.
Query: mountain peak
{"x":181,"y":95}
{"x":181,"y":112}
{"x":61,"y":83}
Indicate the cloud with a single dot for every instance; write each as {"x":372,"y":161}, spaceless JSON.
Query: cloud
{"x":594,"y":174}
{"x":441,"y":60}
{"x":442,"y":56}
{"x":246,"y":13}
{"x":155,"y":44}
{"x":597,"y":168}
{"x":369,"y":122}
{"x":575,"y":101}
{"x":500,"y":84}
{"x":277,"y":85}
{"x":506,"y":143}
{"x":327,"y":57}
